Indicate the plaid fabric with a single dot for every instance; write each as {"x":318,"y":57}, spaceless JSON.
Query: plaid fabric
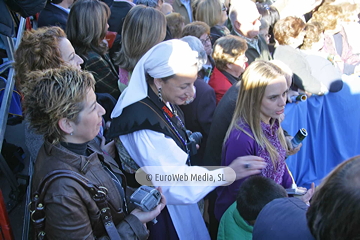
{"x":104,"y":73}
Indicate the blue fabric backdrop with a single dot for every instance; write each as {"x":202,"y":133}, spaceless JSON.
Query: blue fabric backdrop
{"x":333,"y":125}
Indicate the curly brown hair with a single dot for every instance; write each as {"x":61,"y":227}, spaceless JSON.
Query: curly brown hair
{"x":53,"y":94}
{"x":328,"y":15}
{"x":313,"y":33}
{"x":38,"y":50}
{"x":349,"y":10}
{"x":286,"y":28}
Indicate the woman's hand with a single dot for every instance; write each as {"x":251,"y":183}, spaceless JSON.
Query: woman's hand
{"x":290,"y":149}
{"x":108,"y":148}
{"x":308,"y":195}
{"x":247,"y":165}
{"x":290,"y":94}
{"x":145,"y":217}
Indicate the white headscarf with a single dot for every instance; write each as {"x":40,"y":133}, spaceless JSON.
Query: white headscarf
{"x":162,"y":60}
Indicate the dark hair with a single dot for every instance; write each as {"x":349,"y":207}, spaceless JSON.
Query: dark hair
{"x":55,"y":1}
{"x":227,"y":49}
{"x":254,"y":193}
{"x":87,"y":26}
{"x":150,"y":79}
{"x":175,"y":22}
{"x":334,"y":212}
{"x":196,"y":29}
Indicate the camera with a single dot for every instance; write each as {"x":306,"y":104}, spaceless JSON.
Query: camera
{"x":299,"y":137}
{"x":194,"y":138}
{"x":301,"y":98}
{"x":295,"y":191}
{"x":146,"y":198}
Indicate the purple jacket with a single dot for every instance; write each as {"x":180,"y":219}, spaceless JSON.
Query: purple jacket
{"x":240,"y":144}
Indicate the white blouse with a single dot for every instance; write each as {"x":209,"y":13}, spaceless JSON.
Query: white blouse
{"x":150,"y":148}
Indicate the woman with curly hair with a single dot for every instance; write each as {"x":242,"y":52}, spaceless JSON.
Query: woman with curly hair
{"x":336,"y":42}
{"x":351,"y":24}
{"x":41,"y":49}
{"x":320,"y":66}
{"x":289,"y":33}
{"x":44,"y":48}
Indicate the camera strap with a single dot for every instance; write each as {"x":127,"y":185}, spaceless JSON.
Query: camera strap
{"x":117,"y":181}
{"x":179,"y":135}
{"x":175,"y":123}
{"x":98,"y":193}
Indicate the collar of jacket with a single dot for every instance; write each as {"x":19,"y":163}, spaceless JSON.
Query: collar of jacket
{"x":80,"y":162}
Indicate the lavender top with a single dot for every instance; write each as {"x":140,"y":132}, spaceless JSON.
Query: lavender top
{"x":240,"y":144}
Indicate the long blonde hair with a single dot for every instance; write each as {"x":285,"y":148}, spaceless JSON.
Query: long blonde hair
{"x":247,"y":111}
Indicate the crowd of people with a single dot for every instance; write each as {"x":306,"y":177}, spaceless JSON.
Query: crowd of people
{"x":103,"y":107}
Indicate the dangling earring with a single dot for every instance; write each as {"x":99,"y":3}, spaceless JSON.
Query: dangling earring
{"x":71,"y":134}
{"x":159,"y":95}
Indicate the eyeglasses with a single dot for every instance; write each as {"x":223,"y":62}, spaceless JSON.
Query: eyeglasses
{"x":223,"y":7}
{"x":204,"y":41}
{"x":258,"y":19}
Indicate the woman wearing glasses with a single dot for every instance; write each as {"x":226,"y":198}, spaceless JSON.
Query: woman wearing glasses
{"x":202,"y":31}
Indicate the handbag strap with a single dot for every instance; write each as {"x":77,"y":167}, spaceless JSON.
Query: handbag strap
{"x":98,"y":193}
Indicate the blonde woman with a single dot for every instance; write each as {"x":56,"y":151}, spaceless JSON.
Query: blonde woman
{"x":61,"y":105}
{"x":213,"y":13}
{"x":255,"y":128}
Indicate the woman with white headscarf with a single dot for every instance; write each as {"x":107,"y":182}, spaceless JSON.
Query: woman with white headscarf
{"x":150,"y":127}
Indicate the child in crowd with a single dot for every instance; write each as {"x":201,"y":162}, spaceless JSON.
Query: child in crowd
{"x":238,"y":220}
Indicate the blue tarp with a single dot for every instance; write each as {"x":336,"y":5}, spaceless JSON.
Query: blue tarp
{"x":333,"y":125}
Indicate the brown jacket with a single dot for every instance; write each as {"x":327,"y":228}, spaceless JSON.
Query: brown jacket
{"x":71,"y":213}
